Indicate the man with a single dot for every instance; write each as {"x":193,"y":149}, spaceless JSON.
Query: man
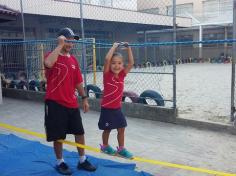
{"x":62,"y":115}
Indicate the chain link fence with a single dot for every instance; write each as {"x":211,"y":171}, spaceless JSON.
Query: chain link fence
{"x":104,"y":22}
{"x":148,"y":27}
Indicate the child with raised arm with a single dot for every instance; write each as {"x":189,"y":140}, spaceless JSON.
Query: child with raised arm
{"x":111,"y":116}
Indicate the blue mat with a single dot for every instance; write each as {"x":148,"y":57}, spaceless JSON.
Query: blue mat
{"x":23,"y":157}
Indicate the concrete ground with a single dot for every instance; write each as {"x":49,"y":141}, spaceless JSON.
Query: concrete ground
{"x":148,"y":139}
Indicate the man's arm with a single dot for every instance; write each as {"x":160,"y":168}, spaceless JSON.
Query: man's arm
{"x":82,"y":93}
{"x":52,"y":57}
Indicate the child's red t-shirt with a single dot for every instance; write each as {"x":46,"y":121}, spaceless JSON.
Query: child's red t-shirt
{"x":113,"y":90}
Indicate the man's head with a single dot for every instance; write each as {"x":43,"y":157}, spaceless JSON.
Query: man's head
{"x":69,"y":35}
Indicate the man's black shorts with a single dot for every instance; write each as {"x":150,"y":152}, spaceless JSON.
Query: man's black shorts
{"x":60,"y":120}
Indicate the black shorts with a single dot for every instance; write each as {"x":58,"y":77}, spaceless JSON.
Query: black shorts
{"x":111,"y":119}
{"x":60,"y":120}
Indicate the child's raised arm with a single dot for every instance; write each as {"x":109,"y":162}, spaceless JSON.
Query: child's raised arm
{"x":130,"y":60}
{"x":108,"y":57}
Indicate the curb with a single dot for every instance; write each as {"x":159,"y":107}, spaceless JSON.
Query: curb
{"x":206,"y":125}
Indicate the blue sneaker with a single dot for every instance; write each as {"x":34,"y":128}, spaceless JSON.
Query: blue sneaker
{"x":125,"y":154}
{"x":63,"y":169}
{"x":108,"y":150}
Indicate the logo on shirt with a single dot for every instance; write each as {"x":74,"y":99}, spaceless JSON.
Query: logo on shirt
{"x":73,"y":66}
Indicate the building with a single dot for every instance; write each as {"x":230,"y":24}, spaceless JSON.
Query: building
{"x":211,"y":20}
{"x":7,"y":14}
{"x":104,"y":20}
{"x":43,"y":18}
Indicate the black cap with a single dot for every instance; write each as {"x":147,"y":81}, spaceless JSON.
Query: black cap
{"x":67,"y":33}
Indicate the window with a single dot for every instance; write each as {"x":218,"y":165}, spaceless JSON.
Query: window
{"x":151,"y":11}
{"x":153,"y":39}
{"x":181,"y":10}
{"x":226,"y":6}
{"x":210,"y":8}
{"x":213,"y":8}
{"x":106,"y":3}
{"x":213,"y":36}
{"x":87,"y":1}
{"x":184,"y":38}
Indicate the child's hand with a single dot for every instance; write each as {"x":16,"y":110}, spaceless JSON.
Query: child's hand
{"x":124,"y":45}
{"x":115,"y":45}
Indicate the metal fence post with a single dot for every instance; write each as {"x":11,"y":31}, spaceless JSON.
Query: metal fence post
{"x":83,"y":45}
{"x":174,"y":54}
{"x":24,"y":46}
{"x":233,"y":63}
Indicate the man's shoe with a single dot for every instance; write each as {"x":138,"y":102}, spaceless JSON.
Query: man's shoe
{"x":86,"y":165}
{"x":63,"y":169}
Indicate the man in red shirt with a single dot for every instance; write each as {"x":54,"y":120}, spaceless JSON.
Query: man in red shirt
{"x":62,"y":115}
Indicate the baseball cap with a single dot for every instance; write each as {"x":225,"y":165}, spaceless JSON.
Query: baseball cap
{"x":68,"y":33}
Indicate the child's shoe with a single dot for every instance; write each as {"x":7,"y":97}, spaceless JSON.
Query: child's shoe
{"x":124,"y":153}
{"x":108,"y":150}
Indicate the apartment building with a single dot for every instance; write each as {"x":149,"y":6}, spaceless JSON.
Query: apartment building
{"x":105,"y":20}
{"x":211,"y":20}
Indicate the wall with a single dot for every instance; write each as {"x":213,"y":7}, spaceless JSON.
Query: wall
{"x":130,"y":109}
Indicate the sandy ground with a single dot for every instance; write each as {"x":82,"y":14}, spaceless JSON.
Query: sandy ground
{"x":148,"y":139}
{"x":203,"y":89}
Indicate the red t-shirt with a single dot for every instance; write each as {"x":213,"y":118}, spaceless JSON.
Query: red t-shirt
{"x":62,"y":79}
{"x":113,"y":90}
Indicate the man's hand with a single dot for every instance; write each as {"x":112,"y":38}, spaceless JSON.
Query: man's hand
{"x":61,"y":40}
{"x":85,"y":105}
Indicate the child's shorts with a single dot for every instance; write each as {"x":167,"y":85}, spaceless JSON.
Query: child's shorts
{"x":111,"y":119}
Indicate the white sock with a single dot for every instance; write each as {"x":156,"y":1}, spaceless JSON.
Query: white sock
{"x":82,"y":159}
{"x":59,"y":161}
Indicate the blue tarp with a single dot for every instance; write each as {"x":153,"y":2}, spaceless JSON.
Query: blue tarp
{"x":24,"y":157}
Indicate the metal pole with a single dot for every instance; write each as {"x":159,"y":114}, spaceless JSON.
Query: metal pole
{"x":226,"y":44}
{"x":200,"y":44}
{"x":174,"y":54}
{"x":145,"y":49}
{"x":233,"y":64}
{"x":94,"y":63}
{"x":83,"y":46}
{"x":23,"y":19}
{"x":24,"y":46}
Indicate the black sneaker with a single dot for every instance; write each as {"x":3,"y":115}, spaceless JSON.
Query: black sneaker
{"x":63,"y":169}
{"x":86,"y":165}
